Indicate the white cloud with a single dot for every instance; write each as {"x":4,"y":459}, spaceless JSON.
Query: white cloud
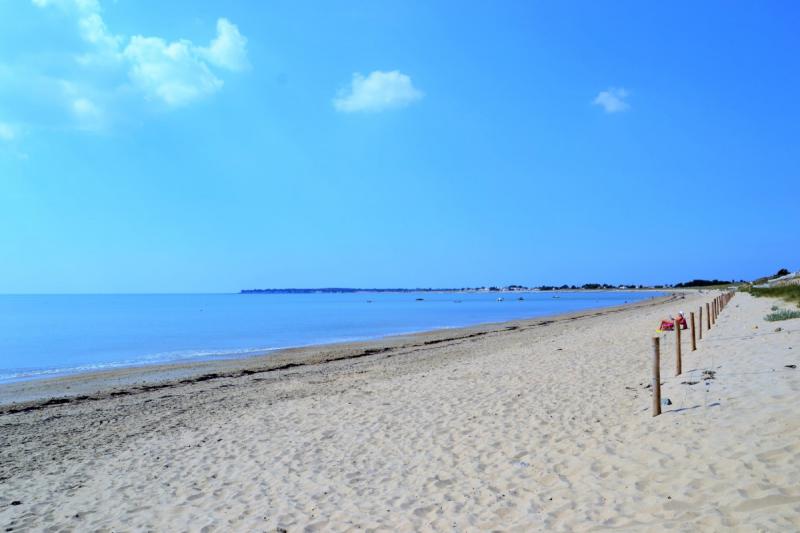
{"x":376,"y":92}
{"x":170,"y":72}
{"x":612,"y":100}
{"x":174,"y":73}
{"x":88,"y":114}
{"x":91,"y":28}
{"x":94,"y":31}
{"x":84,"y":107}
{"x":229,"y":49}
{"x":7,"y":132}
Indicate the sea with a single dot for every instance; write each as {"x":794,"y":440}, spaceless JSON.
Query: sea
{"x":52,"y":335}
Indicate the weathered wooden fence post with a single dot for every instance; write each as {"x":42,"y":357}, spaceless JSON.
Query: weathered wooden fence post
{"x":678,"y":347}
{"x":694,"y":335}
{"x":700,"y":323}
{"x":656,"y":377}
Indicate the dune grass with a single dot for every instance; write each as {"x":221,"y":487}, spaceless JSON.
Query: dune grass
{"x":782,"y":314}
{"x":790,"y":293}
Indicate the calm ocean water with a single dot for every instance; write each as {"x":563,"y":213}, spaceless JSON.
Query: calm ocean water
{"x":43,"y":335}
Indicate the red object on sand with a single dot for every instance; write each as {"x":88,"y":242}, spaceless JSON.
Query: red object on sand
{"x":669,"y":325}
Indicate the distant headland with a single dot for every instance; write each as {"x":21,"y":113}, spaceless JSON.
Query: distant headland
{"x":508,"y":288}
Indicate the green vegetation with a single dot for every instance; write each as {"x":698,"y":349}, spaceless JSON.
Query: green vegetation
{"x":782,"y":314}
{"x":705,"y":283}
{"x":790,"y":293}
{"x":779,"y":273}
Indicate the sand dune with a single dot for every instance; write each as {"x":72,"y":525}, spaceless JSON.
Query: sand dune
{"x":545,"y":426}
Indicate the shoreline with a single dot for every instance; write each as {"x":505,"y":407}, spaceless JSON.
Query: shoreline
{"x":189,"y":354}
{"x":532,"y":425}
{"x":30,"y":394}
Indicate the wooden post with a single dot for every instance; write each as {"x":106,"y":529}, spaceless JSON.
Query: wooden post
{"x":713,"y":314}
{"x":677,"y":347}
{"x":656,"y":377}
{"x":708,"y":316}
{"x":700,"y":323}
{"x":694,"y":340}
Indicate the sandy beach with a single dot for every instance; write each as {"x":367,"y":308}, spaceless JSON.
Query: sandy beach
{"x":535,"y":425}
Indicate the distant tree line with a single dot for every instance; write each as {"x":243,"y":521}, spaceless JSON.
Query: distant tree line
{"x":703,"y":283}
{"x":492,"y":288}
{"x":516,"y":287}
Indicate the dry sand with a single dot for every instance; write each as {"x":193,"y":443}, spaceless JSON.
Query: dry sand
{"x":529,"y":426}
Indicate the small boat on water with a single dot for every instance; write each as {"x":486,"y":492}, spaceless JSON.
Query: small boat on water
{"x":420,"y":299}
{"x":500,"y":299}
{"x":520,"y":298}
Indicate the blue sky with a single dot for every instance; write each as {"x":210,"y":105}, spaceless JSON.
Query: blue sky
{"x":211,"y":146}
